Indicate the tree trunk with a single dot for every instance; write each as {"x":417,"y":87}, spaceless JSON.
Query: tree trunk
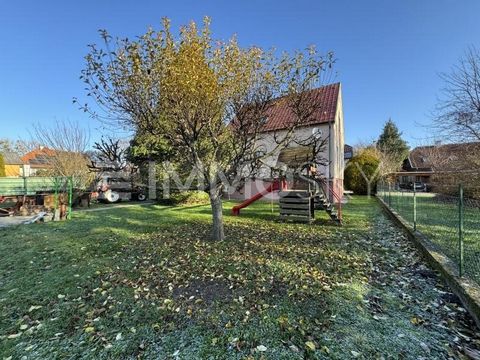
{"x":217,"y":214}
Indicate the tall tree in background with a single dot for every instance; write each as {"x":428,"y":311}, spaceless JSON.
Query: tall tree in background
{"x":20,"y":146}
{"x":458,"y":112}
{"x":391,"y":144}
{"x":205,"y":99}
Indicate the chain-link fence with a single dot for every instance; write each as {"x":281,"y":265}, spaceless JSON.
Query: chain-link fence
{"x":450,"y":222}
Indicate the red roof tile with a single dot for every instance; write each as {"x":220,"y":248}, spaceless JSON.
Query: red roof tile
{"x":448,"y":157}
{"x":280,"y":116}
{"x":39,"y":157}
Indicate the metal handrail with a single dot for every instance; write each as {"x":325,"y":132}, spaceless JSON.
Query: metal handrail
{"x":334,"y":195}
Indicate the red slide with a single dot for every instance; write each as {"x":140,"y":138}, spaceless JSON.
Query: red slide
{"x":274,"y":186}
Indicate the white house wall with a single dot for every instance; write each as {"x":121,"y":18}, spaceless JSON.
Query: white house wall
{"x":267,"y":143}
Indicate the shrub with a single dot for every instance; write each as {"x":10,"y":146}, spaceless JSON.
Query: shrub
{"x":2,"y":167}
{"x":190,"y":197}
{"x":368,"y":161}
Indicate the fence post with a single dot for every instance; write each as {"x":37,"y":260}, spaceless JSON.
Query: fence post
{"x":460,"y":229}
{"x":55,"y":183}
{"x":25,"y":186}
{"x":70,"y":196}
{"x":402,"y":202}
{"x":389,"y":194}
{"x":414,"y":209}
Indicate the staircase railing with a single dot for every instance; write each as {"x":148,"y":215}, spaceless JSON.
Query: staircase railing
{"x":334,"y":195}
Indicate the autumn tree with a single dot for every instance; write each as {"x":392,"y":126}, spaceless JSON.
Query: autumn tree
{"x":205,"y":100}
{"x":458,"y":110}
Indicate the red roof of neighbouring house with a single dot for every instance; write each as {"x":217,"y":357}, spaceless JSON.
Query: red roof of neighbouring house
{"x":280,"y":115}
{"x":40,"y":157}
{"x":448,"y":157}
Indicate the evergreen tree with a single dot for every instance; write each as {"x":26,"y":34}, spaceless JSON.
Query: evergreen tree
{"x":391,"y":143}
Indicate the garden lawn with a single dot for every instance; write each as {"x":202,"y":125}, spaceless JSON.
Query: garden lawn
{"x":145,"y":282}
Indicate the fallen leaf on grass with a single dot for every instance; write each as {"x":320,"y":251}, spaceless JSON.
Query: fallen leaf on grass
{"x":34,"y":307}
{"x":416,"y":321}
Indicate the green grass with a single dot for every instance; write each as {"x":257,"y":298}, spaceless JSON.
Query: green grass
{"x":438,"y":219}
{"x":146,"y":281}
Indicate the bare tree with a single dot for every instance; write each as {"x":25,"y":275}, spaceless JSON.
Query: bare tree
{"x":111,"y":153}
{"x":458,"y":112}
{"x":67,"y":143}
{"x":64,"y":135}
{"x":20,"y":146}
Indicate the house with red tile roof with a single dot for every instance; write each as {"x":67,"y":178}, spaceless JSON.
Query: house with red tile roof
{"x":326,"y":123}
{"x":442,"y":167}
{"x":38,"y":160}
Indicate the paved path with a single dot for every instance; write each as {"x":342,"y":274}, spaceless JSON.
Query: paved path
{"x":6,"y":221}
{"x":13,"y":220}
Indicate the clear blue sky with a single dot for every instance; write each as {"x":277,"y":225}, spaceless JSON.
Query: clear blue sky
{"x":389,"y":52}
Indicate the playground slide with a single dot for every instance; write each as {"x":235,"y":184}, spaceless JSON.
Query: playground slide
{"x":272,"y":187}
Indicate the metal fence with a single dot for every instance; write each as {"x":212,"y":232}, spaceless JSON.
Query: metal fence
{"x":35,"y":186}
{"x":450,"y":222}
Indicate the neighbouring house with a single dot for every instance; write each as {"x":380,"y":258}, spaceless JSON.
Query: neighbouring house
{"x":443,"y":167}
{"x":347,"y":153}
{"x":326,"y":123}
{"x":13,"y":164}
{"x":38,"y":161}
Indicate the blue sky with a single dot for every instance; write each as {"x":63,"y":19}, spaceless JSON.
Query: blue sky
{"x":389,"y":52}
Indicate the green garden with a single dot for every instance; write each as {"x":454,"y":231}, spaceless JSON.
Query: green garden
{"x":146,"y":282}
